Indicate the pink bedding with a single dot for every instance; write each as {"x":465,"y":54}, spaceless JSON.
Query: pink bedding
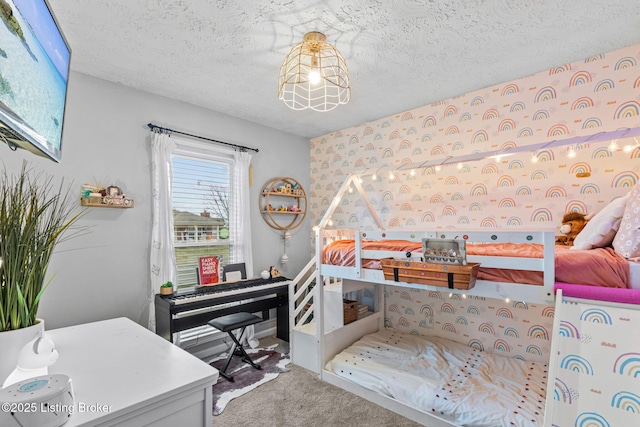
{"x":596,"y":267}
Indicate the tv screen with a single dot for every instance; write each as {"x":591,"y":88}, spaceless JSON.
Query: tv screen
{"x":34,"y":70}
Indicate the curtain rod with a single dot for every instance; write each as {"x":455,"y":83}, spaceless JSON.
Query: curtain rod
{"x":161,"y":129}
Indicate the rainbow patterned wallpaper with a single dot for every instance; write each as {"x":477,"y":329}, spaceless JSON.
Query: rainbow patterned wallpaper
{"x":597,"y":94}
{"x":517,"y":329}
{"x":598,"y":367}
{"x":601,"y":93}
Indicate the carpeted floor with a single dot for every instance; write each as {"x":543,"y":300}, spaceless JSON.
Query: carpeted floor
{"x":298,"y":398}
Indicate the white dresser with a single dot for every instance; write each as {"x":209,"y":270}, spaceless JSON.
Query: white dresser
{"x":122,"y":374}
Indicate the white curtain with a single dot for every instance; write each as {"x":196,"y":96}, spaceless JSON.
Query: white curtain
{"x":239,"y":212}
{"x":162,"y":261}
{"x":240,"y":225}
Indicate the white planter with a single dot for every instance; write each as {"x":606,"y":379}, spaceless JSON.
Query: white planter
{"x":11,"y":342}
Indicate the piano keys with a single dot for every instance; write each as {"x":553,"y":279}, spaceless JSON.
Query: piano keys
{"x":189,"y":309}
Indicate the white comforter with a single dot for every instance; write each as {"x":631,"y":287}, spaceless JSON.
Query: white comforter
{"x":453,"y":381}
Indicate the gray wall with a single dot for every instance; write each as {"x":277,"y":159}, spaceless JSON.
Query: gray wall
{"x":104,"y":274}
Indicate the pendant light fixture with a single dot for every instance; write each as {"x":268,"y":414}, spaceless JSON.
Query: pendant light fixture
{"x":314,"y":75}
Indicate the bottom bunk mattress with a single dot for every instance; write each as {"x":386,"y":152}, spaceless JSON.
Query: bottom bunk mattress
{"x":460,"y":384}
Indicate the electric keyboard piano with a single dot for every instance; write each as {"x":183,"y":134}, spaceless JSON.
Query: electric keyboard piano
{"x":189,"y":309}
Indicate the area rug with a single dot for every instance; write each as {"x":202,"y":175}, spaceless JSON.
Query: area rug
{"x":246,"y":377}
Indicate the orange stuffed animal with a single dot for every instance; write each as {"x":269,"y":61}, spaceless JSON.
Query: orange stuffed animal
{"x":572,"y":224}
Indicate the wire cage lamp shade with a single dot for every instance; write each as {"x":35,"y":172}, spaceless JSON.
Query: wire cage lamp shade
{"x":314,"y":75}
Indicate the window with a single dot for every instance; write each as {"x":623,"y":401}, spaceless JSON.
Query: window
{"x":201,"y":190}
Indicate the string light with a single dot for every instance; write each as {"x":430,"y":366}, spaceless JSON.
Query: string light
{"x":498,"y":157}
{"x":627,"y":148}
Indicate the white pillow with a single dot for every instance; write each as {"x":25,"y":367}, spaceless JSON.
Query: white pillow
{"x":627,"y":241}
{"x":602,"y":228}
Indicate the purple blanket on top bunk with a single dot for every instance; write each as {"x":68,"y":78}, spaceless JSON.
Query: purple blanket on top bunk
{"x":628,"y":296}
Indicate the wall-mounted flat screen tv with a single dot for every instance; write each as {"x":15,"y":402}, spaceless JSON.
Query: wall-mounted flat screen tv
{"x":34,"y":71}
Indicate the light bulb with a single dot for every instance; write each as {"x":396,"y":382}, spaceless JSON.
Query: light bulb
{"x":314,"y":76}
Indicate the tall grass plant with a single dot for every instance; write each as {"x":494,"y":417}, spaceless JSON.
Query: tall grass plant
{"x":35,"y":215}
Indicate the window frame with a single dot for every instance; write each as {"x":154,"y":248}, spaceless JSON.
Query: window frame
{"x":210,"y":154}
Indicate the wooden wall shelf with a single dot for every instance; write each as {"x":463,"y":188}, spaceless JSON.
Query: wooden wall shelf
{"x":87,"y":202}
{"x":283,"y":203}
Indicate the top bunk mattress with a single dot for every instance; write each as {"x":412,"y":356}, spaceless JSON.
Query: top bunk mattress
{"x":455,"y":382}
{"x":596,"y":267}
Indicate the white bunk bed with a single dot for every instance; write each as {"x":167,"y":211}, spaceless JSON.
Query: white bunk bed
{"x":332,"y":337}
{"x":338,"y":340}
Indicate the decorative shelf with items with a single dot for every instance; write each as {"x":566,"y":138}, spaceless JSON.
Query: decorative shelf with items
{"x":110,"y":197}
{"x":283,"y":203}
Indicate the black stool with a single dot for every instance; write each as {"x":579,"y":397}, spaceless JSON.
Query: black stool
{"x":228,"y":324}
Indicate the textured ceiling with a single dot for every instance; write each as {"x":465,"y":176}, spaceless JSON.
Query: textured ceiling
{"x":225,"y":55}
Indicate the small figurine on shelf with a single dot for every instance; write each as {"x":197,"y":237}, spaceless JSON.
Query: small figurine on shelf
{"x":294,"y":208}
{"x":269,"y":208}
{"x":283,"y":208}
{"x":285,"y":188}
{"x":296,"y":189}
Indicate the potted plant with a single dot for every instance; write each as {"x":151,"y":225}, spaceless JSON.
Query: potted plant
{"x":35,"y":216}
{"x":166,"y":289}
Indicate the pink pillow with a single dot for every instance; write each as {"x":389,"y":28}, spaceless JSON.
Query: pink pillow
{"x":627,"y":240}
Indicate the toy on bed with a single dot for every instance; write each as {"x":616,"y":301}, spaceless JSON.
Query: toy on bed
{"x":572,"y":225}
